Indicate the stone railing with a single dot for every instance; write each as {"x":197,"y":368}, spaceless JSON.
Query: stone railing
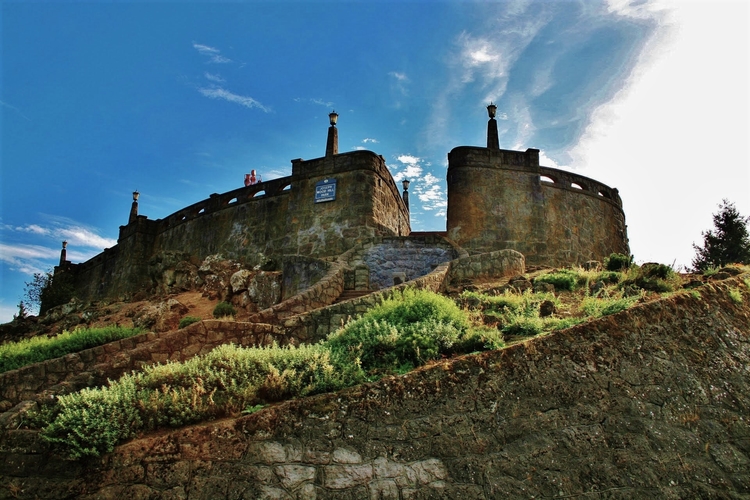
{"x":216,"y":202}
{"x":574,"y":182}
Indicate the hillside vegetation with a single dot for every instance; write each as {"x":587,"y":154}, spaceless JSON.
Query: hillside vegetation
{"x":406,"y":331}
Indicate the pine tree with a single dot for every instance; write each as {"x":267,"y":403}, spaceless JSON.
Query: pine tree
{"x":728,"y":243}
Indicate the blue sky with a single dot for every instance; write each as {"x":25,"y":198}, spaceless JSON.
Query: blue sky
{"x":179,"y":100}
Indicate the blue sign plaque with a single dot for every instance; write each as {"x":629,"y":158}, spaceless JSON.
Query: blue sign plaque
{"x":325,"y":190}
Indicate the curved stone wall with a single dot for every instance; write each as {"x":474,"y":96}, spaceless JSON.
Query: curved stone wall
{"x":501,"y":199}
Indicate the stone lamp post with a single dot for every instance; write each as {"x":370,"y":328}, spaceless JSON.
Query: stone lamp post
{"x":492,"y":138}
{"x":332,"y":145}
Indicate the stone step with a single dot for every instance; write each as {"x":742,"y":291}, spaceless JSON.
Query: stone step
{"x":351,"y":294}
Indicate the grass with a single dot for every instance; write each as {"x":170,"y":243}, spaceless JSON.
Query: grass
{"x":15,"y":355}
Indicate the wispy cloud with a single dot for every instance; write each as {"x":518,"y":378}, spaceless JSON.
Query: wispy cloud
{"x":318,"y":101}
{"x":6,"y":105}
{"x":61,"y":228}
{"x":214,"y":78}
{"x":34,"y":248}
{"x":213,"y":54}
{"x":221,"y":93}
{"x":368,"y":140}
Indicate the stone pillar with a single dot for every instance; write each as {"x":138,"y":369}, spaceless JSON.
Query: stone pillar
{"x":134,"y":207}
{"x":492,"y":138}
{"x":63,"y":254}
{"x":332,"y":145}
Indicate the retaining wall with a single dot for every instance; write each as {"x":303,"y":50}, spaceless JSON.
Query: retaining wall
{"x":651,"y":402}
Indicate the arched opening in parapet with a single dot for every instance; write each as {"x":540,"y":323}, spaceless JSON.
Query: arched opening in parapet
{"x":544,"y":178}
{"x":202,"y":210}
{"x":604,"y":194}
{"x":576,"y":186}
{"x":233,"y":200}
{"x":259,"y":194}
{"x":287,"y":187}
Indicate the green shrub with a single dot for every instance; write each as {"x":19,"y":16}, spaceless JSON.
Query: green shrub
{"x":659,"y":271}
{"x":224,"y":309}
{"x":14,"y":355}
{"x":411,"y":327}
{"x":618,"y":262}
{"x":736,"y":295}
{"x":224,"y":382}
{"x":564,"y":279}
{"x":187,"y":321}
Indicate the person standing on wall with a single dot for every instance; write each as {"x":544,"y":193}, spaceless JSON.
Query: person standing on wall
{"x":251,"y":178}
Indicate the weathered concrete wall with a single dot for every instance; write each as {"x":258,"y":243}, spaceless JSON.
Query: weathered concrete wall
{"x":497,"y":199}
{"x":648,"y":403}
{"x":257,"y":225}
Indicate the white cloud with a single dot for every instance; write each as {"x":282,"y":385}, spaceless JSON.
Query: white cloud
{"x":546,"y":161}
{"x":408,"y":159}
{"x":367,"y":139}
{"x":212,"y":53}
{"x":213,"y":78}
{"x":28,"y":259}
{"x":61,"y":228}
{"x":220,"y":93}
{"x":10,"y":253}
{"x":79,"y":236}
{"x":401,"y":77}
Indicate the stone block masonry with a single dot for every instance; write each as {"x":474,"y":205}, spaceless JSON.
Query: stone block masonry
{"x":648,"y":403}
{"x":257,"y":225}
{"x":500,"y":199}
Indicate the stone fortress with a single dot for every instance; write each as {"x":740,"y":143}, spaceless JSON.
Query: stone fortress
{"x":650,"y":402}
{"x":349,"y":204}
